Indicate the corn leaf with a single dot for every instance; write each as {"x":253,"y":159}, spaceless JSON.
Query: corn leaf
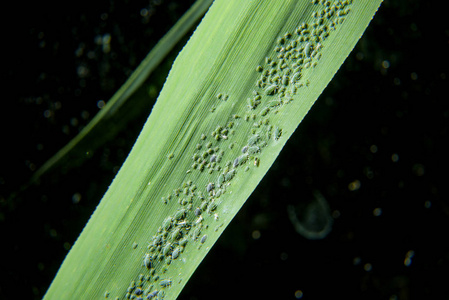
{"x":235,"y":94}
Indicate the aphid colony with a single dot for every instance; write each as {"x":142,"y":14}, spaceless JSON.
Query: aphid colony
{"x":281,"y":75}
{"x":295,"y":54}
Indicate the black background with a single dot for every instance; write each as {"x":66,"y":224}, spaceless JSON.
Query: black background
{"x":382,"y":122}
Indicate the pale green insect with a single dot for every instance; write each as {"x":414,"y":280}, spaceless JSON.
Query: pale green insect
{"x":203,"y":239}
{"x":175,"y":253}
{"x":253,"y":150}
{"x":209,"y":187}
{"x":165,"y":283}
{"x":180,"y":214}
{"x":147,"y":260}
{"x":271,"y":89}
{"x":167,"y":223}
{"x":307,"y":49}
{"x":176,"y":234}
{"x":277,"y":133}
{"x":220,"y":180}
{"x":167,"y":248}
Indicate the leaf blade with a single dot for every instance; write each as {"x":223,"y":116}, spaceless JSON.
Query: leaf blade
{"x":189,"y":113}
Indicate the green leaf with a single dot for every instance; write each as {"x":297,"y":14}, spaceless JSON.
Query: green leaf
{"x":234,"y":96}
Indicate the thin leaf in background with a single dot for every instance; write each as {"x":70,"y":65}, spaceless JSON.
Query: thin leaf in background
{"x":127,"y":103}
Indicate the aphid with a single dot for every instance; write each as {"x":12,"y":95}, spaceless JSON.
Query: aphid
{"x":157,"y":240}
{"x":216,"y":217}
{"x":197,"y":211}
{"x":265,"y":111}
{"x":170,"y":156}
{"x":176,"y":234}
{"x":203,"y":239}
{"x":244,"y":149}
{"x":220,"y":180}
{"x":138,"y":291}
{"x":175,"y":253}
{"x":183,"y":242}
{"x":277,"y":133}
{"x":209,"y":187}
{"x":253,"y":150}
{"x":274,"y":103}
{"x":196,"y":233}
{"x":180,"y":214}
{"x":152,"y":295}
{"x":199,"y":220}
{"x":239,"y":160}
{"x":212,"y":207}
{"x":165,"y":283}
{"x":213,"y":158}
{"x":270,"y":90}
{"x":167,"y":248}
{"x":236,"y":162}
{"x":135,"y":245}
{"x":251,"y":103}
{"x":147,"y":260}
{"x":259,"y":68}
{"x":185,"y":191}
{"x":296,"y":76}
{"x":307,"y":49}
{"x":253,"y":140}
{"x":167,"y":223}
{"x":229,"y":175}
{"x":203,"y":206}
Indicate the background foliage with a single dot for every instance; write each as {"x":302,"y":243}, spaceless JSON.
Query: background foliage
{"x":381,"y":122}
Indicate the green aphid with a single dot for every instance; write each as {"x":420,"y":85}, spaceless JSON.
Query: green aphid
{"x":271,"y":89}
{"x":147,"y":260}
{"x":277,"y":133}
{"x":253,"y":140}
{"x":253,"y":150}
{"x":296,"y":76}
{"x":175,"y":253}
{"x":166,"y":249}
{"x":180,"y":214}
{"x":167,"y":223}
{"x":220,"y":180}
{"x":165,"y":283}
{"x":229,"y":175}
{"x":274,"y":103}
{"x":265,"y":111}
{"x":176,"y":234}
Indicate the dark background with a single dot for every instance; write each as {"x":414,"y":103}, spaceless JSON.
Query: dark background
{"x":381,"y":126}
